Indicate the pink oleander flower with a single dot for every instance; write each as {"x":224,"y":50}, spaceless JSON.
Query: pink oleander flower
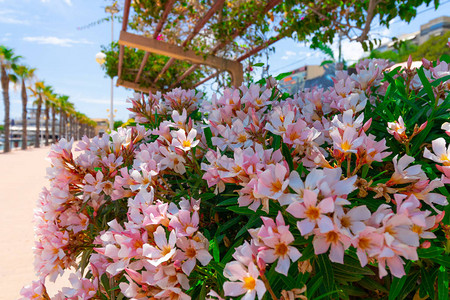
{"x":34,"y":291}
{"x":348,"y":142}
{"x":273,"y":182}
{"x":192,"y":251}
{"x":172,"y":161}
{"x":244,"y":281}
{"x":184,"y":224}
{"x":397,"y":129}
{"x":277,"y":239}
{"x":403,"y":174}
{"x":368,"y":243}
{"x":350,"y":222}
{"x":441,"y":153}
{"x":333,"y":240}
{"x":164,"y":250}
{"x":82,"y":288}
{"x":312,"y":213}
{"x":183,"y":142}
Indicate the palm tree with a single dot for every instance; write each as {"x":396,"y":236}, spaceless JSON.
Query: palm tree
{"x":49,"y":96}
{"x":7,"y":59}
{"x":63,"y":101}
{"x":38,"y":93}
{"x":24,"y":73}
{"x":54,"y":109}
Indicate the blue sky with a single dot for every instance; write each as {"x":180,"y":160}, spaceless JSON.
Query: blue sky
{"x":45,"y":33}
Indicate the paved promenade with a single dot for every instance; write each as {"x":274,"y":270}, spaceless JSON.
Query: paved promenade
{"x":22,"y":176}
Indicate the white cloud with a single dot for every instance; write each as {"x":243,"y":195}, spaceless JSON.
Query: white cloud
{"x":52,"y":40}
{"x":290,"y":53}
{"x":8,"y":16}
{"x":285,"y":57}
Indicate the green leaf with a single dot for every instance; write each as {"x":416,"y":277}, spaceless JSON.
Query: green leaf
{"x":371,"y":284}
{"x":252,"y":221}
{"x":276,"y":142}
{"x":430,"y":252}
{"x":428,"y":277}
{"x":283,"y":75}
{"x":313,"y":285}
{"x":352,"y":266}
{"x":325,"y":62}
{"x":215,"y":249}
{"x":241,"y":210}
{"x":326,"y":270}
{"x":442,"y":260}
{"x":410,"y":283}
{"x":208,"y":136}
{"x":442,"y":283}
{"x":397,"y":284}
{"x":426,"y":84}
{"x":287,"y":155}
{"x":230,"y":201}
{"x":258,"y":65}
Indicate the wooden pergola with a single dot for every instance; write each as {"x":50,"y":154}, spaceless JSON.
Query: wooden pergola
{"x":175,"y":52}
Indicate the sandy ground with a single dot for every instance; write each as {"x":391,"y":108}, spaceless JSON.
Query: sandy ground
{"x":22,"y":176}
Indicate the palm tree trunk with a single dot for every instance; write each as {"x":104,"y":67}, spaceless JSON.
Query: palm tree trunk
{"x":65,"y":125}
{"x":61,"y":119}
{"x":24,"y":116}
{"x":47,"y":115}
{"x":38,"y":123}
{"x":5,"y":88}
{"x":53,"y":125}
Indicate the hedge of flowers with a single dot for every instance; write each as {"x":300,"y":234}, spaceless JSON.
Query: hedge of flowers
{"x":336,"y":193}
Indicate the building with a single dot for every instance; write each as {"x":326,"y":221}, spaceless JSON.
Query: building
{"x":435,"y":27}
{"x":102,"y":126}
{"x":308,"y":77}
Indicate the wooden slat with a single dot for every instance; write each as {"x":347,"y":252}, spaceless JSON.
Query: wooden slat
{"x":134,"y":86}
{"x":126,"y":14}
{"x":178,"y":52}
{"x":185,"y":74}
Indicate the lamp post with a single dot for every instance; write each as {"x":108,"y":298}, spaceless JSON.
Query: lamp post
{"x":101,"y":57}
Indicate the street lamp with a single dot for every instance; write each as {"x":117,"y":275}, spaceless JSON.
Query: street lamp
{"x":101,"y":58}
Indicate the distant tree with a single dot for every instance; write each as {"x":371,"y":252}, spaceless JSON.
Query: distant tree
{"x":118,"y":124}
{"x":400,"y":53}
{"x":7,"y":59}
{"x":24,"y":74}
{"x":434,"y":48}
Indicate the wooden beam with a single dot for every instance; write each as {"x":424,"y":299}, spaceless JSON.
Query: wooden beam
{"x":155,"y":36}
{"x":126,"y":14}
{"x":260,"y":47}
{"x":206,"y":79}
{"x":121,"y":51}
{"x":218,"y":4}
{"x":178,"y":52}
{"x":185,"y":74}
{"x":134,"y":86}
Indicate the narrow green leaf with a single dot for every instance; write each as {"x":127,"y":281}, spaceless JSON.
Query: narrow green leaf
{"x":283,"y":75}
{"x":230,"y":201}
{"x":252,"y":221}
{"x":287,"y":155}
{"x":426,"y":84}
{"x":397,"y":284}
{"x":208,"y":136}
{"x":430,"y":252}
{"x":276,"y":142}
{"x":428,"y":277}
{"x":325,"y":268}
{"x":442,"y":283}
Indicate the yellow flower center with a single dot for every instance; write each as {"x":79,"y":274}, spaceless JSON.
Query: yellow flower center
{"x":417,"y":229}
{"x":249,"y":283}
{"x":332,"y":237}
{"x":346,"y":146}
{"x":276,"y":186}
{"x":364,"y":243}
{"x":281,"y":249}
{"x":312,"y":213}
{"x":345,"y":222}
{"x":166,"y":250}
{"x":190,"y":252}
{"x":186,"y":143}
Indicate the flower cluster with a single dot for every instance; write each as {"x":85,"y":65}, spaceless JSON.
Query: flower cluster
{"x":238,"y":195}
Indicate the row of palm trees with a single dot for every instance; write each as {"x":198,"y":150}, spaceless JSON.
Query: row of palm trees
{"x":72,"y":124}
